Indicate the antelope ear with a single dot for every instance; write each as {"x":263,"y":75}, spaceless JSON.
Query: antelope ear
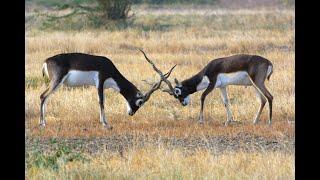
{"x":139,"y":95}
{"x":176,"y":81}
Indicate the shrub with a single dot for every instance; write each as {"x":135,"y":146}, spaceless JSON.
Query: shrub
{"x":53,"y":160}
{"x":115,"y":9}
{"x":92,"y":13}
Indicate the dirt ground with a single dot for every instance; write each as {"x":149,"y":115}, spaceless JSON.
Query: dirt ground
{"x":217,"y":144}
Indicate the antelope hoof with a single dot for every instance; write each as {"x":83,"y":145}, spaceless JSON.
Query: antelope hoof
{"x":233,"y":122}
{"x":201,"y":122}
{"x":229,"y":121}
{"x":108,"y":126}
{"x":42,"y":125}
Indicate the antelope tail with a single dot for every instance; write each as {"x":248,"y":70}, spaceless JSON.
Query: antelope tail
{"x":45,"y":73}
{"x":269,"y":72}
{"x":45,"y":70}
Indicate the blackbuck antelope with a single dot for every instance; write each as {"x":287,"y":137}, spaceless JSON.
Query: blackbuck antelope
{"x":77,"y":69}
{"x":243,"y":70}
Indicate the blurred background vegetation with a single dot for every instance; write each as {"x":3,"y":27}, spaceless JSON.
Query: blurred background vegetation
{"x":121,"y":14}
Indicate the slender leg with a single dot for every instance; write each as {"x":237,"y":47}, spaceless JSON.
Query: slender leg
{"x":270,"y":99}
{"x":258,"y":83}
{"x":262,"y":104}
{"x":101,"y":103}
{"x":43,"y":99}
{"x":53,"y":86}
{"x":203,"y":97}
{"x":225,"y":99}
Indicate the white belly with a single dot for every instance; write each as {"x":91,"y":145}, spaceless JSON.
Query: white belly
{"x":236,"y":78}
{"x":81,"y":78}
{"x":88,"y":78}
{"x":110,"y":83}
{"x":203,"y":84}
{"x":225,"y":79}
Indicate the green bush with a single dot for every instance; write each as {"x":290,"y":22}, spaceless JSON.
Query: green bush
{"x":115,"y":9}
{"x":88,"y":13}
{"x":174,"y":1}
{"x":53,"y":160}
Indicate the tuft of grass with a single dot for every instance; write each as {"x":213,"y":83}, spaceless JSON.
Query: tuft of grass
{"x":160,"y":163}
{"x":54,"y":160}
{"x":36,"y":81}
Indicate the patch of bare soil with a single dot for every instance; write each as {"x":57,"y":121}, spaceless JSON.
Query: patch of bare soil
{"x":216,"y":144}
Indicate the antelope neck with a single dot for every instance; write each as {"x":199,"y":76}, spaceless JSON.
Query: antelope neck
{"x":127,"y":89}
{"x":191,"y":84}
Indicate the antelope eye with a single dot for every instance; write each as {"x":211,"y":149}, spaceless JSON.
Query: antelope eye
{"x":177,"y":91}
{"x":139,"y":102}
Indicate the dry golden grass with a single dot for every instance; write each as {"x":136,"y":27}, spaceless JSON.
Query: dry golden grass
{"x":74,"y":112}
{"x":161,"y":163}
{"x":78,"y":108}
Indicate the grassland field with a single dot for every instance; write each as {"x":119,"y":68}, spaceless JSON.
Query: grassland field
{"x":163,"y":139}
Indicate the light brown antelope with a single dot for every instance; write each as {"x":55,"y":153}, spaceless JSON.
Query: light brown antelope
{"x":241,"y":69}
{"x":77,"y":69}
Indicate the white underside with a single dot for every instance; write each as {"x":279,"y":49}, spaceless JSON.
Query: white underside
{"x":203,"y":84}
{"x":110,"y":83}
{"x":225,"y":79}
{"x":82,"y":78}
{"x":238,"y":78}
{"x":89,"y":78}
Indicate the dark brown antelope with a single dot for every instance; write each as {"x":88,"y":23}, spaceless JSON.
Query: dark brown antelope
{"x":242,"y":69}
{"x":77,"y":69}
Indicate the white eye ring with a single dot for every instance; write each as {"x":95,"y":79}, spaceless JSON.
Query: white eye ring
{"x":139,"y":102}
{"x":177,"y":91}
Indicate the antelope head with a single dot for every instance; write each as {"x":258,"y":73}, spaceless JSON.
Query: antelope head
{"x":144,"y":97}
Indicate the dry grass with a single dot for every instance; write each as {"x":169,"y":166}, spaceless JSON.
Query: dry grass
{"x":160,"y":163}
{"x":74,"y":112}
{"x":78,"y":108}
